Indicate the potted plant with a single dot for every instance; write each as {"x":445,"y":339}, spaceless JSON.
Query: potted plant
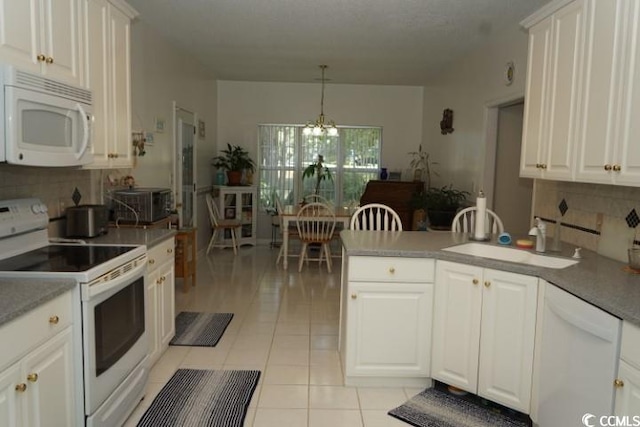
{"x":422,"y":166}
{"x":442,"y":204}
{"x":319,"y":170}
{"x":234,"y":159}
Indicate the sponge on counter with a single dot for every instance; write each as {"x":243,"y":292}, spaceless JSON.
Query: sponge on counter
{"x":524,"y":243}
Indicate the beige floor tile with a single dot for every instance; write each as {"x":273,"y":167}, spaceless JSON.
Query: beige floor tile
{"x":326,"y":375}
{"x":377,"y":418}
{"x":296,"y":342}
{"x":324,"y":342}
{"x":250,"y":416}
{"x":324,"y":357}
{"x":288,"y":356}
{"x":286,"y":374}
{"x":204,"y":358}
{"x":292,"y":328}
{"x":333,"y":397}
{"x":284,"y":396}
{"x":334,"y":418}
{"x":266,"y":417}
{"x":381,"y":398}
{"x":241,"y":356}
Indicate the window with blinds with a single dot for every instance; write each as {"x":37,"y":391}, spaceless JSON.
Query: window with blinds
{"x":353,"y":157}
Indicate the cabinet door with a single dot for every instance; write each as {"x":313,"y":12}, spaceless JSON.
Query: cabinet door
{"x":456,"y":324}
{"x":19,"y":36}
{"x":534,"y":130}
{"x":628,"y":395}
{"x":602,"y":65}
{"x":627,"y":154}
{"x":10,"y":397}
{"x":60,"y":39}
{"x":562,"y":119}
{"x":151,"y":316}
{"x":97,"y":48}
{"x":120,"y":63}
{"x":508,"y":323}
{"x":389,"y":329}
{"x":166,"y":305}
{"x":50,"y":394}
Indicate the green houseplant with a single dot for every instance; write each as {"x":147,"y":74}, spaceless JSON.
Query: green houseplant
{"x":422,"y":166}
{"x":234,"y":159}
{"x":441,"y":204}
{"x":319,"y":170}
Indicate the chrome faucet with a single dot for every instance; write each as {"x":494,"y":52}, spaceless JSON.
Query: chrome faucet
{"x":540,"y":231}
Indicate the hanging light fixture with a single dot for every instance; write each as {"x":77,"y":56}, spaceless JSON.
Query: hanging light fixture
{"x":319,"y":127}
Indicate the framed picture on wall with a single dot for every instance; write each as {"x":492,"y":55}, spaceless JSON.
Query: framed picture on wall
{"x":201,"y":129}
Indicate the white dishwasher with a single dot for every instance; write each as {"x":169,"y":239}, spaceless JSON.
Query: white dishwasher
{"x":578,"y":361}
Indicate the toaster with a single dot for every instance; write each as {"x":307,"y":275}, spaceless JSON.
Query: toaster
{"x":87,"y":220}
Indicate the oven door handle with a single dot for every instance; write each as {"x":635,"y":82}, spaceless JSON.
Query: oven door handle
{"x":103,"y":290}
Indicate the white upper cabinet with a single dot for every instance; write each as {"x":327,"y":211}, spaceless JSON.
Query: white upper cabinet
{"x":583,"y":93}
{"x":42,"y":36}
{"x":609,"y":151}
{"x":108,"y":57}
{"x":552,"y":101}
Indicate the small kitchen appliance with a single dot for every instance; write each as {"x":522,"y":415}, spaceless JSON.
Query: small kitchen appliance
{"x":87,"y":220}
{"x":141,"y":205}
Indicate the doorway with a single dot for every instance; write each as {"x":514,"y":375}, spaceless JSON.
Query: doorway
{"x":184,"y":166}
{"x":511,"y":195}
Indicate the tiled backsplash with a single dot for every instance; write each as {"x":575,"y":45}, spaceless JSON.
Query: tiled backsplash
{"x":54,"y":186}
{"x":595,"y":216}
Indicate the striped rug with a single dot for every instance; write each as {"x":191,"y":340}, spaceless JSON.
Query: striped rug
{"x":200,"y":329}
{"x":437,"y":408}
{"x":197,"y":398}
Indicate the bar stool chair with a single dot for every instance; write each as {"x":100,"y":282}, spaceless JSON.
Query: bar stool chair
{"x":218,"y":225}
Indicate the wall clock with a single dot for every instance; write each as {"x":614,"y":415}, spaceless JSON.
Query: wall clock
{"x":509,"y":72}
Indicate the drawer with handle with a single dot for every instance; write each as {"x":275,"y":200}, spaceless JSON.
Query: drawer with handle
{"x":160,"y":253}
{"x":391,"y":269}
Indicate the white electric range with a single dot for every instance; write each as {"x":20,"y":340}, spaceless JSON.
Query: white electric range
{"x":110,"y":307}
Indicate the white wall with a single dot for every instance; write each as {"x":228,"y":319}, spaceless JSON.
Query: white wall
{"x":398,"y":109}
{"x":161,"y":74}
{"x":467,"y":87}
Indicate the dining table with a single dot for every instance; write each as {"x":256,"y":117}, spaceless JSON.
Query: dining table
{"x":289,"y":217}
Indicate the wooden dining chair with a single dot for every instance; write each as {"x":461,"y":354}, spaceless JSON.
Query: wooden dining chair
{"x":465,"y":222}
{"x":316,"y":222}
{"x":219,"y":225}
{"x":293,"y":230}
{"x":376,"y":216}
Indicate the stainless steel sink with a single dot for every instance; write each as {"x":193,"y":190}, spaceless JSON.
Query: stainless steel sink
{"x":511,"y":254}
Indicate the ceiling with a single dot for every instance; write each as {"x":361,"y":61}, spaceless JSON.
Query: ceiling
{"x":395,"y":42}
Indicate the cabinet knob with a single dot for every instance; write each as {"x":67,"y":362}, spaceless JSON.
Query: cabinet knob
{"x":475,"y":281}
{"x":617,"y":168}
{"x":162,"y":279}
{"x":152,"y":261}
{"x":538,"y":165}
{"x":170,"y":251}
{"x":33,"y":377}
{"x":618,"y":383}
{"x":392,"y":270}
{"x":41,"y":58}
{"x":22,"y":387}
{"x":543,"y":166}
{"x":158,"y":281}
{"x":607,"y":167}
{"x":487,"y":284}
{"x":49,"y":60}
{"x":354,"y":296}
{"x":54,"y":320}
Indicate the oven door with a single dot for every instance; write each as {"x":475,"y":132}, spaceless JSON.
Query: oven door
{"x":114,"y":336}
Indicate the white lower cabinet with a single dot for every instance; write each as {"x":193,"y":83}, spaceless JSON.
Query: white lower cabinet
{"x":388,"y":320}
{"x":483,"y":332}
{"x":160,"y":281}
{"x":627,"y":383}
{"x":38,"y":387}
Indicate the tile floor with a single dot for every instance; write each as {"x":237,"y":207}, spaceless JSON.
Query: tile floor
{"x":286,"y":325}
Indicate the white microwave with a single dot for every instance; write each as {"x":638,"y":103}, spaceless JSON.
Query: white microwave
{"x":44,"y":122}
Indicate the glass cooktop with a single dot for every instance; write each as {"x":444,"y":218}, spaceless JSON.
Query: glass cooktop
{"x":63,"y":258}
